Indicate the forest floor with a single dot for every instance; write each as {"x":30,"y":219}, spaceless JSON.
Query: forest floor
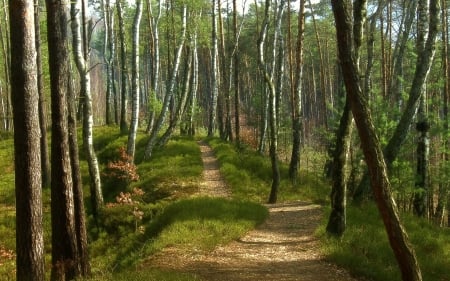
{"x":282,"y":248}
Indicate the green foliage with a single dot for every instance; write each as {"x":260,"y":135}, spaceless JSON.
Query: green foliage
{"x":364,"y":249}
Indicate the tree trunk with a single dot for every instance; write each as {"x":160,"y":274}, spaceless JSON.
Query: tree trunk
{"x":123,"y":70}
{"x":443,"y":186}
{"x":323,"y":90}
{"x":214,"y":87}
{"x":108,"y":55}
{"x":296,"y":98}
{"x":170,"y":91}
{"x":78,"y":197}
{"x":236,"y":78}
{"x":6,"y":50}
{"x":338,"y":220}
{"x":45,"y":165}
{"x":81,"y":54}
{"x":371,"y":145}
{"x":181,"y":105}
{"x":422,"y":125}
{"x":269,"y":79}
{"x":64,"y":239}
{"x":27,"y":164}
{"x":134,"y":82}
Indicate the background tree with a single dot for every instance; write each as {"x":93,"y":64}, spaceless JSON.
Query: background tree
{"x":123,"y":70}
{"x":212,"y":111}
{"x":42,"y":104}
{"x":27,"y":164}
{"x":170,"y":91}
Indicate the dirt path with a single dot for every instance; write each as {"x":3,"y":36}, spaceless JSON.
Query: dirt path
{"x":283,"y":248}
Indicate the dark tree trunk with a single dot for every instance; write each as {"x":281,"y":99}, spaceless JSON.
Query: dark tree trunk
{"x":64,"y":239}
{"x":370,"y":143}
{"x":296,"y":99}
{"x":27,"y":164}
{"x":78,"y":197}
{"x":337,"y":220}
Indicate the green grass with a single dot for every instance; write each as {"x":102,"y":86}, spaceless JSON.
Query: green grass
{"x":145,"y":274}
{"x":364,"y":248}
{"x":249,"y":174}
{"x":203,"y":223}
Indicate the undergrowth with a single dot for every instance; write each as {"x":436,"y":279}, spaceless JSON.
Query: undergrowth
{"x":364,"y":249}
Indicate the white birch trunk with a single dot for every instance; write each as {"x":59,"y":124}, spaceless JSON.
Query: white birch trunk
{"x":81,"y":56}
{"x":135,"y":82}
{"x":162,"y":116}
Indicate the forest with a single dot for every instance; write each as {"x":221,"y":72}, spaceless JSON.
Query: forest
{"x":149,"y":139}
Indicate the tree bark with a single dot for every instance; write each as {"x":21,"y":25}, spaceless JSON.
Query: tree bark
{"x":296,"y":98}
{"x":78,"y":197}
{"x":81,"y":55}
{"x":269,"y":79}
{"x":370,"y":143}
{"x":64,"y":239}
{"x":214,"y":87}
{"x":27,"y":164}
{"x":422,"y":125}
{"x":45,"y":165}
{"x":134,"y":82}
{"x":338,"y":219}
{"x":170,"y":91}
{"x":123,"y":70}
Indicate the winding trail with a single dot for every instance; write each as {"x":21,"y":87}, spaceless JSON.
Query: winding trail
{"x":283,"y":248}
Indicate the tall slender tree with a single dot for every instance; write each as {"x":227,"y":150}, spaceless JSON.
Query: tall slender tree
{"x":64,"y":241}
{"x":42,"y":104}
{"x":296,"y":94}
{"x":81,"y":54}
{"x":134,"y":82}
{"x":170,"y":91}
{"x":123,"y":69}
{"x":370,"y":143}
{"x":214,"y":69}
{"x":422,"y":125}
{"x":27,"y":164}
{"x":272,"y":89}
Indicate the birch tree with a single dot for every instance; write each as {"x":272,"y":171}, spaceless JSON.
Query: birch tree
{"x":296,"y":94}
{"x":123,"y":70}
{"x":423,"y":65}
{"x":272,"y":89}
{"x":170,"y":91}
{"x":422,"y":125}
{"x":81,"y":55}
{"x":214,"y":67}
{"x":134,"y":82}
